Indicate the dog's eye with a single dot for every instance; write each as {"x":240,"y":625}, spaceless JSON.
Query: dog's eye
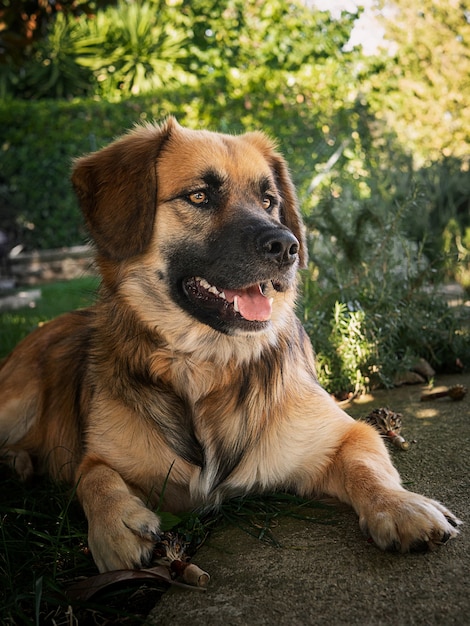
{"x":198,"y":197}
{"x":267,"y":202}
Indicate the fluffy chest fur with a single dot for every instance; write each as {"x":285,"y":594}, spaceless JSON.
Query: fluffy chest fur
{"x":198,"y":423}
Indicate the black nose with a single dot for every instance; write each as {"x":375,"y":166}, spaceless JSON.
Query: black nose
{"x":279,"y":245}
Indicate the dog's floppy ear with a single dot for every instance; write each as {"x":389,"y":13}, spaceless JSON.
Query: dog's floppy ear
{"x":117,"y":190}
{"x":290,"y":214}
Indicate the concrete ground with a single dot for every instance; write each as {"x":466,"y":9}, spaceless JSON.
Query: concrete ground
{"x":329,"y":574}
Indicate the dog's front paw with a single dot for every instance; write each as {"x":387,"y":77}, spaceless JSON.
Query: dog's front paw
{"x":122,"y":535}
{"x":406,"y":521}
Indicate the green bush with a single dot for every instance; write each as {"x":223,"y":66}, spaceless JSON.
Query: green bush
{"x":38,"y":142}
{"x":129,"y":48}
{"x":373,"y":303}
{"x":53,"y":70}
{"x":140,"y":51}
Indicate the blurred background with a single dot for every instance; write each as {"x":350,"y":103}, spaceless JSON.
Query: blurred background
{"x":369,"y":102}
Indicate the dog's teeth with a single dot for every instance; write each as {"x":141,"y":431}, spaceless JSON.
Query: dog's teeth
{"x":235,"y":304}
{"x":203,"y":282}
{"x":271,"y":301}
{"x":210,"y":288}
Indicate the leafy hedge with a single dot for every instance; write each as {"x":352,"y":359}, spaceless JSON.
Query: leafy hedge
{"x":39,"y":140}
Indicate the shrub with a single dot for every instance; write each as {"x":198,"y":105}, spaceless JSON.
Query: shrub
{"x":38,"y":142}
{"x":140,"y":50}
{"x":372,"y":301}
{"x":53,"y":70}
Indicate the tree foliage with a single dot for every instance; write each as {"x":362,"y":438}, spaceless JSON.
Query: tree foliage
{"x":422,"y":91}
{"x":424,"y":88}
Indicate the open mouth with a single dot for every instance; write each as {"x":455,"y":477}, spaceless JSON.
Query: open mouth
{"x":236,"y":305}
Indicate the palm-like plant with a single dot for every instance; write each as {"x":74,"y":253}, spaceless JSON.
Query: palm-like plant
{"x":54,"y":69}
{"x":141,"y":50}
{"x":130,"y":48}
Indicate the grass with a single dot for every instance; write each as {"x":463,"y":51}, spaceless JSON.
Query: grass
{"x":43,"y":542}
{"x":57,"y":298}
{"x":43,"y":550}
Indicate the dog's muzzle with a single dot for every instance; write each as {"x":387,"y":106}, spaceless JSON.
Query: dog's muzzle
{"x":235,"y":275}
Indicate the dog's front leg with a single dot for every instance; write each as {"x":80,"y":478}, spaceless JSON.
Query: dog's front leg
{"x":362,"y":475}
{"x":121,"y":529}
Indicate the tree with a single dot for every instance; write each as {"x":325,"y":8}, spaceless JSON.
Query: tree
{"x":424,"y":88}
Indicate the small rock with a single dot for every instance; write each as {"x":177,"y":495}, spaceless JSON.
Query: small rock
{"x":409,"y":378}
{"x":423,"y":368}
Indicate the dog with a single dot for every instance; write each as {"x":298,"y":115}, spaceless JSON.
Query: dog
{"x":191,"y":379}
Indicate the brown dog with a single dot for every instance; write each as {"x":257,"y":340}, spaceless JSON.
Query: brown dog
{"x":191,"y":379}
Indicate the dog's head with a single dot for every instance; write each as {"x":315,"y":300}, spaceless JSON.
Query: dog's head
{"x":216,"y":215}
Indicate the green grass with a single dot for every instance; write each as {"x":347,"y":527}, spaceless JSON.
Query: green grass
{"x":43,"y":550}
{"x":57,"y":298}
{"x":43,"y":543}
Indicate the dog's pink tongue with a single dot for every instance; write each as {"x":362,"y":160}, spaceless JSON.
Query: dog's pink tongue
{"x":252,"y":304}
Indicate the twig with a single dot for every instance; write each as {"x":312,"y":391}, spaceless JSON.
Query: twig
{"x":456,"y":392}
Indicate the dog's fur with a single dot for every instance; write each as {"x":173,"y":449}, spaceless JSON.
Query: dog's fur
{"x":162,"y":393}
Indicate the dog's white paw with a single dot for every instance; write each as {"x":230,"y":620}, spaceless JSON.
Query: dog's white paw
{"x":406,"y":521}
{"x":123,"y":537}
